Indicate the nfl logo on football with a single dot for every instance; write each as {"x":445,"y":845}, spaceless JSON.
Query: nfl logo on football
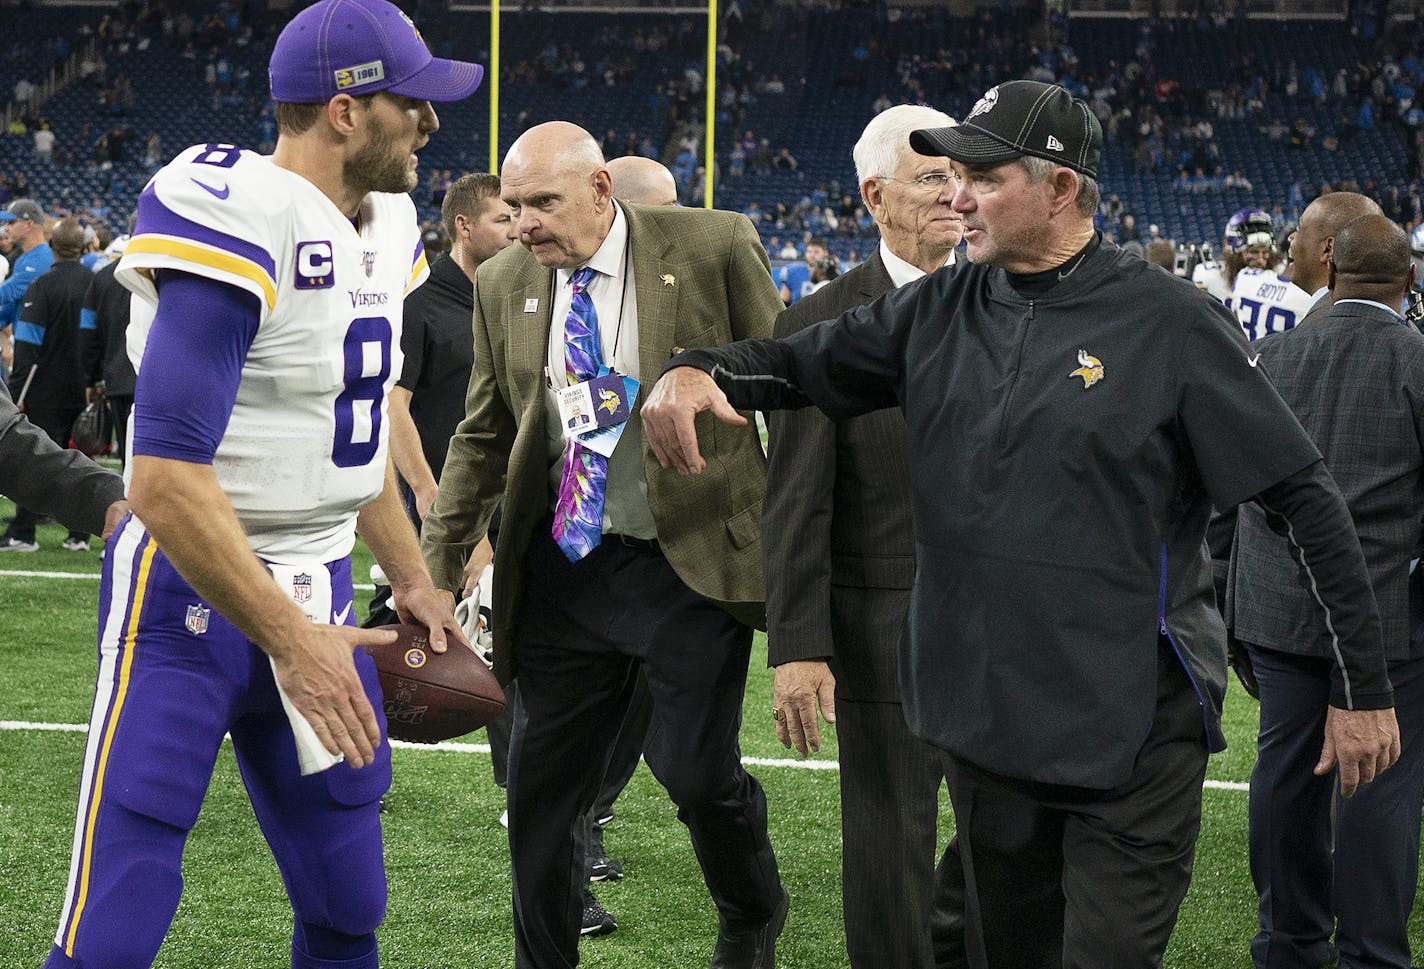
{"x":302,"y":587}
{"x":197,"y":620}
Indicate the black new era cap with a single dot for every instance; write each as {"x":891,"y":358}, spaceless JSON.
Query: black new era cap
{"x":1020,"y":118}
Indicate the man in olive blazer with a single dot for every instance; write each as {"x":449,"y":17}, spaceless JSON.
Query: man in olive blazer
{"x":675,"y":582}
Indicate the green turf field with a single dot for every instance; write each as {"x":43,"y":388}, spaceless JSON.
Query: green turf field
{"x":445,"y":850}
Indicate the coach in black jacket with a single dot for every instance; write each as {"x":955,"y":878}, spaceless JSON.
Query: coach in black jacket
{"x":1072,"y":413}
{"x":1354,"y":375}
{"x":836,"y":596}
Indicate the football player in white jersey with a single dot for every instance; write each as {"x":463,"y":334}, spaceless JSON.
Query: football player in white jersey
{"x":1264,"y":301}
{"x":1249,"y":240}
{"x":267,"y":335}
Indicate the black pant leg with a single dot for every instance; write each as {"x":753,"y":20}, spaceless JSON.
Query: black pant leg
{"x":627,"y":749}
{"x":500,"y":733}
{"x":695,"y":657}
{"x":120,"y":407}
{"x":890,"y":781}
{"x":1377,"y":843}
{"x":1289,"y":815}
{"x":1011,"y":844}
{"x":1078,"y":878}
{"x":570,"y":679}
{"x":1128,"y":852}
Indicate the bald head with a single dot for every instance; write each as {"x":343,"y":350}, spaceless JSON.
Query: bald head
{"x":1311,"y":243}
{"x":1371,"y":261}
{"x":642,"y":181}
{"x":554,"y":146}
{"x":560,"y":192}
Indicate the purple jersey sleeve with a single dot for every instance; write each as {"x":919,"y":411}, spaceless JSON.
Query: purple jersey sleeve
{"x":192,"y":364}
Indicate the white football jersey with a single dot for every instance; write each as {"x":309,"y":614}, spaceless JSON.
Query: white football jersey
{"x":306,"y":445}
{"x":1211,"y":276}
{"x":1264,"y":301}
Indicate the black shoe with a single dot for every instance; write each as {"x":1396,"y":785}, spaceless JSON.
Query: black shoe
{"x":604,"y":818}
{"x":604,"y":868}
{"x":751,"y":948}
{"x":597,"y":920}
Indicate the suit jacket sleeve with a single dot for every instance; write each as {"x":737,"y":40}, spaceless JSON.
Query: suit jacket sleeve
{"x":754,"y":304}
{"x":472,"y":481}
{"x":800,"y":485}
{"x":40,"y":475}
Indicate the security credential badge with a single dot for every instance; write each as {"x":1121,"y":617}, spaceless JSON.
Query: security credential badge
{"x":595,"y":412}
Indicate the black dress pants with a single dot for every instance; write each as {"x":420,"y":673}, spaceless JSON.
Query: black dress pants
{"x":584,"y":630}
{"x":1082,"y":878}
{"x":1323,"y":864}
{"x":120,"y":408}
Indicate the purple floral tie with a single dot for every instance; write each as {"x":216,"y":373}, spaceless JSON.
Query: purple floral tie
{"x":578,"y":514}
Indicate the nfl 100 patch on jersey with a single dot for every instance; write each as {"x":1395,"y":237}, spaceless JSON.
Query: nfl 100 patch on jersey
{"x":306,"y":443}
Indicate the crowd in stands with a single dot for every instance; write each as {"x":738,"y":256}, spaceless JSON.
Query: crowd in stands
{"x":1167,"y":124}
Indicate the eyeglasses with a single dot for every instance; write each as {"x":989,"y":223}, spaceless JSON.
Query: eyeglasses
{"x":930,"y":181}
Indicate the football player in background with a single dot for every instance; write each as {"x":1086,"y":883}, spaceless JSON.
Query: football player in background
{"x":1241,"y":246}
{"x":269,"y":313}
{"x":1263,"y":300}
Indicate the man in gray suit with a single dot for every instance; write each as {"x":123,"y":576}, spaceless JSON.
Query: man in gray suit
{"x":1354,"y":375}
{"x":837,"y":596}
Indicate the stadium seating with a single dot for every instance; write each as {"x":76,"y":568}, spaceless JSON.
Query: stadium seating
{"x":835,"y":64}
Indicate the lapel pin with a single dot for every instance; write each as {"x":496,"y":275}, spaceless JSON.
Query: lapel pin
{"x":669,"y":279}
{"x":531,"y":305}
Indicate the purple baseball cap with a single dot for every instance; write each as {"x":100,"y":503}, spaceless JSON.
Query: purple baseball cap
{"x":360,"y":47}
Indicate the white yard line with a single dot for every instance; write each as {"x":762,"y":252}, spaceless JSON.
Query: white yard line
{"x":458,"y":748}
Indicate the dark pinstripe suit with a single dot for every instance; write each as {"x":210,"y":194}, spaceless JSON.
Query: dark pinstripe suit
{"x":840,"y":562}
{"x":1354,"y":375}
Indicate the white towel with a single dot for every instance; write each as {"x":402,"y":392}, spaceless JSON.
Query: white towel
{"x":473,"y":616}
{"x":309,"y":585}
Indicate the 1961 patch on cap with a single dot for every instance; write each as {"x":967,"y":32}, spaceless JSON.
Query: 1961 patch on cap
{"x":368,"y":73}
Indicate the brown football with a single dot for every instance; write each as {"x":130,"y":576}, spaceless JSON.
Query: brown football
{"x":433,"y":696}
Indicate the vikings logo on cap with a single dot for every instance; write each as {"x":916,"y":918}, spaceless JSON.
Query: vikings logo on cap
{"x":985,"y":104}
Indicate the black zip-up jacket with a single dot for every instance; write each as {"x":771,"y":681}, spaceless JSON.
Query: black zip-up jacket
{"x":1064,"y":453}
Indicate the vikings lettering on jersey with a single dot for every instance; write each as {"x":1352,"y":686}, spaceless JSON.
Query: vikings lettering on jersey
{"x":1211,"y":276}
{"x":305,"y":446}
{"x":1266,"y":302}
